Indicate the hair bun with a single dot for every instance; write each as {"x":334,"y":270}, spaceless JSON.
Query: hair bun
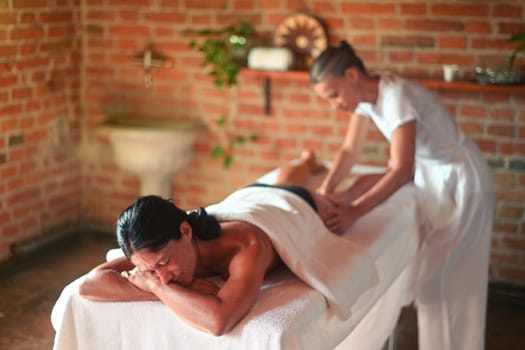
{"x":347,"y":47}
{"x":205,"y":227}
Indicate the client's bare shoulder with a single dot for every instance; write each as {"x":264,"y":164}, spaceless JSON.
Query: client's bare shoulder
{"x":240,"y":236}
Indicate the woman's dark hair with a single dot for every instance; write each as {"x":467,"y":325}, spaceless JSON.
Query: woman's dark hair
{"x":334,"y":61}
{"x":152,"y":221}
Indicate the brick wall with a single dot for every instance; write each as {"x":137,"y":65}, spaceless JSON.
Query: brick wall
{"x":411,"y":37}
{"x":40,"y":54}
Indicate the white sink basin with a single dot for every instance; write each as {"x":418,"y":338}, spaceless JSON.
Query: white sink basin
{"x":152,"y":150}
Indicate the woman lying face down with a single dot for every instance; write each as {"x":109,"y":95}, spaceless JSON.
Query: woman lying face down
{"x":170,"y":253}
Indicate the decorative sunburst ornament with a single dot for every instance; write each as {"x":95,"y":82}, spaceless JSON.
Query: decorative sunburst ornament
{"x":304,"y":35}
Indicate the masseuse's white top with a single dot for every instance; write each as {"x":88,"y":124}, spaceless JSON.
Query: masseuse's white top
{"x":455,"y":203}
{"x":443,"y":151}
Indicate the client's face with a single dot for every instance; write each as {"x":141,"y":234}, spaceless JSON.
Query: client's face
{"x":175,"y":263}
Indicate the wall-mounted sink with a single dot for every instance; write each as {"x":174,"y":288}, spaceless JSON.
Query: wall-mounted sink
{"x":153,"y":150}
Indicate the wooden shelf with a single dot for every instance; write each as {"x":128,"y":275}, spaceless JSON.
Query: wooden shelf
{"x":297,"y":75}
{"x":468,"y":86}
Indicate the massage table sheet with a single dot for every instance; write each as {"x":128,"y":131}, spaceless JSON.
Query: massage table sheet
{"x":288,"y":313}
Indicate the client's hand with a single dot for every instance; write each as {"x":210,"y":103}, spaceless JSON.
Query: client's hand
{"x":145,"y":280}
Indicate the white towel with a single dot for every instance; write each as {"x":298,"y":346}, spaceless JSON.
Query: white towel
{"x":320,"y":258}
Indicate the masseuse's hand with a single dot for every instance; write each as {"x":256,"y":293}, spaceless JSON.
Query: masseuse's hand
{"x":145,"y":280}
{"x":346,"y":216}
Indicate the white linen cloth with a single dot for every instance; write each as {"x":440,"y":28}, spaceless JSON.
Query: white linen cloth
{"x":320,"y":258}
{"x":456,"y":200}
{"x":288,"y":313}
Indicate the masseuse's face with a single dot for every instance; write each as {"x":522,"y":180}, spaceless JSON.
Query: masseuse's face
{"x":174,"y":263}
{"x":342,"y":93}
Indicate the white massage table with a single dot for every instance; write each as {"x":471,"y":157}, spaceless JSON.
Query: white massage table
{"x":288,"y":314}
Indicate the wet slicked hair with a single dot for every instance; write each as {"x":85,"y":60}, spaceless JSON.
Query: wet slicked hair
{"x":334,"y":61}
{"x":151,"y":222}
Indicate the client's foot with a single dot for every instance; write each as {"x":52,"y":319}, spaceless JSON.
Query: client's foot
{"x":309,"y":158}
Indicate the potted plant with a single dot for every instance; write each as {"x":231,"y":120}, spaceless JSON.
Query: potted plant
{"x":508,"y":75}
{"x":518,"y":38}
{"x":224,"y":53}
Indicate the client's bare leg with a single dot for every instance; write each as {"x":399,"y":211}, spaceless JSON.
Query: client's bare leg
{"x":307,"y":172}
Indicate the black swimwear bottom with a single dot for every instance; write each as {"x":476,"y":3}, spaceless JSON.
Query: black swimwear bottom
{"x":297,"y":190}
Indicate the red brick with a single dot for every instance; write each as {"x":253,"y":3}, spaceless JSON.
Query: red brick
{"x":502,"y":130}
{"x":505,"y":179}
{"x":325,"y":7}
{"x":22,"y":4}
{"x":130,"y":16}
{"x":361,"y":23}
{"x":56,"y":16}
{"x":9,"y":125}
{"x":243,"y":5}
{"x":434,"y":25}
{"x":513,"y":243}
{"x":390,"y":24}
{"x":21,"y":93}
{"x":131,"y":31}
{"x":7,"y":81}
{"x":364,"y":8}
{"x":7,"y":50}
{"x":512,"y":148}
{"x":506,"y":28}
{"x":171,"y":3}
{"x":497,"y":44}
{"x":507,"y":11}
{"x":461,"y":10}
{"x":407,"y":41}
{"x":206,"y":4}
{"x":131,"y":3}
{"x":477,"y":27}
{"x":168,"y":17}
{"x":507,"y":258}
{"x":11,"y":231}
{"x":414,"y":9}
{"x":452,"y":42}
{"x":473,"y":111}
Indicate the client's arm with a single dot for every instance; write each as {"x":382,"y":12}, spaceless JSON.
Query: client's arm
{"x":105,"y":283}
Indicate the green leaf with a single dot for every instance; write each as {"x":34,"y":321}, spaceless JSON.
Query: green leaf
{"x":240,"y":139}
{"x":217,"y":151}
{"x":517,"y":37}
{"x":221,"y":121}
{"x":228,"y":161}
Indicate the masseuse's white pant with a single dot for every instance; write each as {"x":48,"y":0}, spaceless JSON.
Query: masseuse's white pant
{"x":456,"y":204}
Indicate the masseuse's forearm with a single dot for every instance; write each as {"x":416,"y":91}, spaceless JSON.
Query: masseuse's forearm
{"x":389,"y":183}
{"x":342,"y":163}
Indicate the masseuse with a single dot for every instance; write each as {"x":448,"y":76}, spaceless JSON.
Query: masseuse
{"x":169,"y":253}
{"x":453,"y":185}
